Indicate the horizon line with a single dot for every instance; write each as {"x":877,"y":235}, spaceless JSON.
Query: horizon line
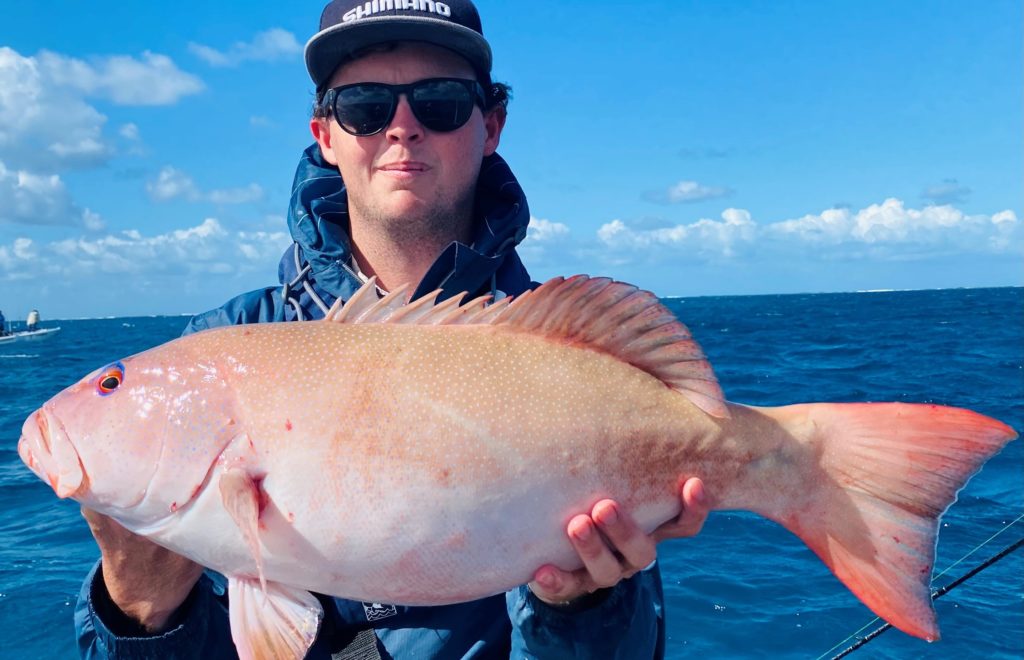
{"x":110,"y":317}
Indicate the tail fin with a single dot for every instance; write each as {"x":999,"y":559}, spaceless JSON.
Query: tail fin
{"x":891,"y":470}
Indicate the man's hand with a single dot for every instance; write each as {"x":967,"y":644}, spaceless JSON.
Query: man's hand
{"x":627,"y":550}
{"x":146,"y":582}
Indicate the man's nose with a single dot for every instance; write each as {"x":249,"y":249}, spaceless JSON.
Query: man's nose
{"x":404,"y":125}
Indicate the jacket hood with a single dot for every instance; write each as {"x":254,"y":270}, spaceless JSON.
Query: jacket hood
{"x":318,"y":222}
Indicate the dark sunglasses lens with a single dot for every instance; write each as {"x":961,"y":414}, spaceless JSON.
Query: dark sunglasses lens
{"x":364,"y":109}
{"x":442,"y":105}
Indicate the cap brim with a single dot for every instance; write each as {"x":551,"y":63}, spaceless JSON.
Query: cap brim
{"x":329,"y":48}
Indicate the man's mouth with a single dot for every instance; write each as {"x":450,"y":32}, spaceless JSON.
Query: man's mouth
{"x":404,"y":167}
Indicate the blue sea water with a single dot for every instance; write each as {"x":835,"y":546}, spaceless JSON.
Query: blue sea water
{"x":744,"y":587}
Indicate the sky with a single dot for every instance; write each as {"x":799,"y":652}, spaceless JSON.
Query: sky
{"x":692,"y":148}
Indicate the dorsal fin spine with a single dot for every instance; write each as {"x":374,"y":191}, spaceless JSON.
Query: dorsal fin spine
{"x":416,"y":309}
{"x":620,"y":313}
{"x":596,"y":314}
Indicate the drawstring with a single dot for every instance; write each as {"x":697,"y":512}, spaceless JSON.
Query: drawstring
{"x":303,"y":270}
{"x":286,"y":289}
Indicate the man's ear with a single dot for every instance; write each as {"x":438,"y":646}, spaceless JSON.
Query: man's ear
{"x":494,"y":122}
{"x":320,"y":127}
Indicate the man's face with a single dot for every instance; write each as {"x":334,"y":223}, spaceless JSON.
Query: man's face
{"x":407,"y":176}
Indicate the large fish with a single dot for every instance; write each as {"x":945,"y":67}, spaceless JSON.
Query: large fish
{"x":428,"y":453}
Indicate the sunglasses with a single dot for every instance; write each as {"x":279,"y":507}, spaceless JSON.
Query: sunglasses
{"x":440,"y":104}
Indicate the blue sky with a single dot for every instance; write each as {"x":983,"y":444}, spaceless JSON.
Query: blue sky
{"x":693,"y":148}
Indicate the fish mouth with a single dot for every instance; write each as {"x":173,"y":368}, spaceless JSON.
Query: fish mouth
{"x":47,"y":450}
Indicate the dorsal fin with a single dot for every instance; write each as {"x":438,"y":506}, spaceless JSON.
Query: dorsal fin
{"x":597,"y":313}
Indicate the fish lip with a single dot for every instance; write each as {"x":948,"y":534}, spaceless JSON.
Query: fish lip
{"x":28,"y":457}
{"x":47,"y":450}
{"x":34,"y":446}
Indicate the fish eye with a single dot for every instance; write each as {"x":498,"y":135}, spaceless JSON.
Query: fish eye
{"x":110,"y":379}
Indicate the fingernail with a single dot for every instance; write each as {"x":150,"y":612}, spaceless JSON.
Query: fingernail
{"x":699,"y":496}
{"x":582,"y":532}
{"x":548,"y":581}
{"x":610,"y":515}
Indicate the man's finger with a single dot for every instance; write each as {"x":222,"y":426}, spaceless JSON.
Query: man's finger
{"x":600,"y":562}
{"x":625,"y":536}
{"x":693,"y":515}
{"x":555,"y":586}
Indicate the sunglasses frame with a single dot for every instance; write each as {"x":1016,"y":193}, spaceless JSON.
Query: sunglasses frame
{"x":332,"y":95}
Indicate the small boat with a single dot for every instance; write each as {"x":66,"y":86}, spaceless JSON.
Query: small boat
{"x":39,"y":333}
{"x":28,"y":335}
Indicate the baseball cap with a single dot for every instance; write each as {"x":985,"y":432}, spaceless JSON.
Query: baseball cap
{"x":347,"y":26}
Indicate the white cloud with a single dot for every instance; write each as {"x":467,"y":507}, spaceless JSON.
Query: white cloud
{"x":39,"y":120}
{"x":34,"y":199}
{"x":704,"y":236}
{"x":831,"y":226}
{"x":153,"y":79}
{"x":687,"y":191}
{"x":85,"y":150}
{"x":207,"y":248}
{"x":23,"y":248}
{"x":546,"y":231}
{"x":211,"y":56}
{"x":948,"y":192}
{"x":891,"y":223}
{"x":16,"y":260}
{"x":172,"y":183}
{"x":544,"y":241}
{"x":129,"y":132}
{"x":262,"y":246}
{"x":93,"y":221}
{"x":268,"y":46}
{"x":1006,"y":217}
{"x":884,"y":231}
{"x":46,"y":122}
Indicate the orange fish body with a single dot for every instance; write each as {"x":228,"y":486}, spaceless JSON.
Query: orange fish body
{"x":426,"y":454}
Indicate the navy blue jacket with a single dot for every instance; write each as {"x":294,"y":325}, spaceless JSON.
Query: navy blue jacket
{"x":623,"y":622}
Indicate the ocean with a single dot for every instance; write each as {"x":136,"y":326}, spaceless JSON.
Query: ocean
{"x":743,"y":588}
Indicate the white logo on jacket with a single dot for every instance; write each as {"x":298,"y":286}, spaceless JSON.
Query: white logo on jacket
{"x":378,"y":611}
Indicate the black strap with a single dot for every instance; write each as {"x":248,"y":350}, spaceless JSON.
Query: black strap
{"x":362,"y":647}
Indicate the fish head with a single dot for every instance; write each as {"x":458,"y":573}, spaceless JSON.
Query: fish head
{"x":135,"y":439}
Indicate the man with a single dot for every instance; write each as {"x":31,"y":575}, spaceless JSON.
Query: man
{"x":403,"y":183}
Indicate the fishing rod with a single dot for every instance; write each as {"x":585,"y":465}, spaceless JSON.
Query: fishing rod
{"x":938,"y":593}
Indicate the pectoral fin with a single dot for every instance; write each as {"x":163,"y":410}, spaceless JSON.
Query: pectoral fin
{"x":241,"y":495}
{"x":272,"y":621}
